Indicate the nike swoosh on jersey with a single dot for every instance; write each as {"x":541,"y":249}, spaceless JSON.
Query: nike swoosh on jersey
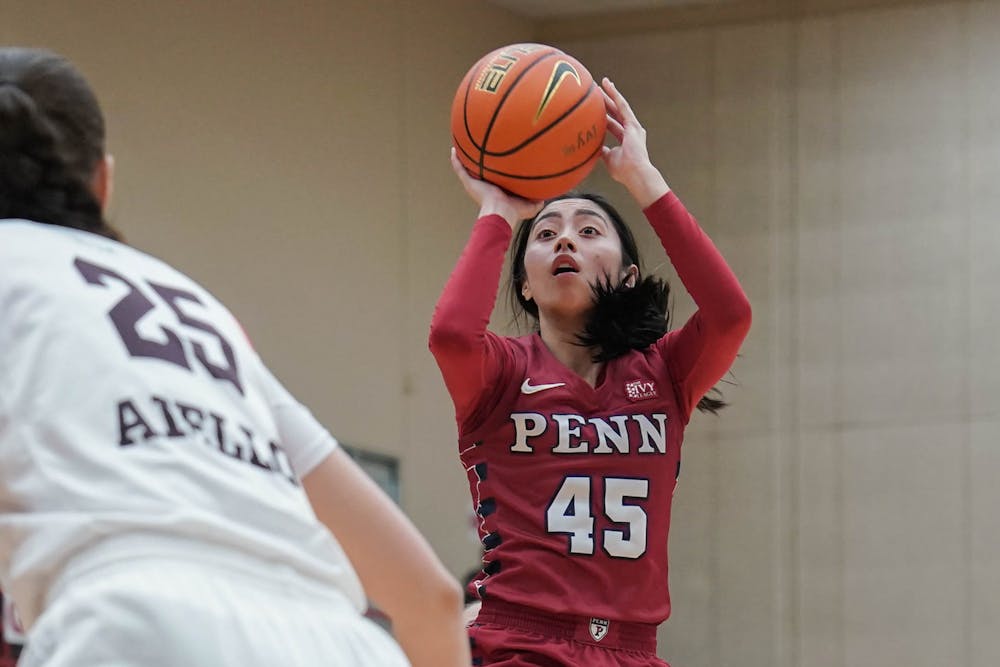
{"x":528,"y":388}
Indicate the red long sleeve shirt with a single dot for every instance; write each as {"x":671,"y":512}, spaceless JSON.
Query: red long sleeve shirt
{"x":573,"y":484}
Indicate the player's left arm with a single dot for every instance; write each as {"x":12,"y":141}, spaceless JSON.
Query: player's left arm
{"x":705,"y":347}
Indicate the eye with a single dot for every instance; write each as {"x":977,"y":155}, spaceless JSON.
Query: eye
{"x":590,"y":230}
{"x":545,"y":234}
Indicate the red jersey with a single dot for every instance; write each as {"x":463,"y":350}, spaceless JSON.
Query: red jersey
{"x":573,"y":484}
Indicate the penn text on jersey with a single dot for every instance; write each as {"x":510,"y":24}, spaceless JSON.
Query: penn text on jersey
{"x":612,"y":434}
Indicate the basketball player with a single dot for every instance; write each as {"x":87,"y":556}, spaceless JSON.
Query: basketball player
{"x":159,"y":489}
{"x":571,"y":436}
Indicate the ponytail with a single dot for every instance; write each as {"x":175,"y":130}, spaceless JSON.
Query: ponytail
{"x":51,"y":140}
{"x":633,"y":318}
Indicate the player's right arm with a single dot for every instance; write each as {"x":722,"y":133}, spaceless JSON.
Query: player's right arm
{"x":397,"y":567}
{"x":459,"y":339}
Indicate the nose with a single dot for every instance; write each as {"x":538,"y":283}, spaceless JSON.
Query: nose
{"x":565,"y":243}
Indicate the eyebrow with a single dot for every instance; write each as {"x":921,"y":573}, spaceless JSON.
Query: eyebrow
{"x":579,"y":211}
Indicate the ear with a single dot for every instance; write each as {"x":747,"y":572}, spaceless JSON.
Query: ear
{"x":526,"y":291}
{"x":103,"y":181}
{"x":631,"y":275}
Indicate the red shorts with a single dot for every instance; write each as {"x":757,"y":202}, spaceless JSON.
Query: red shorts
{"x":510,"y":635}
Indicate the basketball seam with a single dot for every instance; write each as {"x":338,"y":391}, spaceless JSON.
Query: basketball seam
{"x":468,"y":132}
{"x":576,"y":105}
{"x":465,"y":113}
{"x":544,"y":176}
{"x":458,"y":145}
{"x":496,"y":111}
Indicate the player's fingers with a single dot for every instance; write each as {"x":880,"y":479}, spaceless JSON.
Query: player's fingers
{"x":609,"y":104}
{"x":624,"y":109}
{"x":615,"y":128}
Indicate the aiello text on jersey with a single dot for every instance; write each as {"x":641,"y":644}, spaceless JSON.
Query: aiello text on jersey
{"x":162,"y":418}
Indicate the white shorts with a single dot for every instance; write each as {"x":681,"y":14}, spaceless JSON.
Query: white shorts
{"x":159,"y":612}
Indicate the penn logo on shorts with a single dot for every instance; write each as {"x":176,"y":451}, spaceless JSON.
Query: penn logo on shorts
{"x":599,"y":628}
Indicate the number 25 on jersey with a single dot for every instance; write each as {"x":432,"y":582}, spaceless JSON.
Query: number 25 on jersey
{"x":135,"y":305}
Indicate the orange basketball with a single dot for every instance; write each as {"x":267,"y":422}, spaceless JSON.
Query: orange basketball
{"x":530,"y":119}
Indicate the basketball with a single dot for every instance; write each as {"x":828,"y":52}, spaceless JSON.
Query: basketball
{"x":530,"y":119}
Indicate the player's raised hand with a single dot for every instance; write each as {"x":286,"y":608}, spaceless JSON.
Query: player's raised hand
{"x":494,"y":200}
{"x":628,"y":162}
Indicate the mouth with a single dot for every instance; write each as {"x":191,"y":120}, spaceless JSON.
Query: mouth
{"x":563,"y":265}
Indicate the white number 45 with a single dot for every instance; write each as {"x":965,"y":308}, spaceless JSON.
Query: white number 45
{"x":569,"y":513}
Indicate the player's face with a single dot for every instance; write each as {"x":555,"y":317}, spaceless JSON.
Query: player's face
{"x":572,"y":245}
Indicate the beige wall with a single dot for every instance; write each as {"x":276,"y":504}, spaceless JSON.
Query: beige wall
{"x":841,"y":512}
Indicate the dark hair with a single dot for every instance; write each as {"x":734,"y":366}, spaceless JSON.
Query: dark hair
{"x":51,"y":142}
{"x":624,"y":318}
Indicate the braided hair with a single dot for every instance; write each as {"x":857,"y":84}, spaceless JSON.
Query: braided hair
{"x":51,"y":142}
{"x":624,"y":317}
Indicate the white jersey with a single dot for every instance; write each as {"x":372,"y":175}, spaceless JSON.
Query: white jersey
{"x":132,"y":403}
